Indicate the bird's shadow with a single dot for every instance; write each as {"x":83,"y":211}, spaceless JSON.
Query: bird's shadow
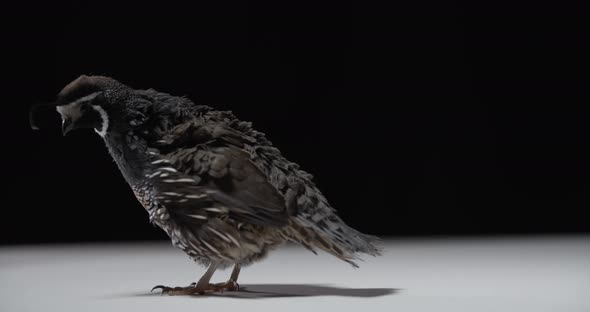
{"x":254,"y":291}
{"x":261,"y":291}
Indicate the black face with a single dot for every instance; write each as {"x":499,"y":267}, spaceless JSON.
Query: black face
{"x":82,"y":113}
{"x":83,"y":104}
{"x":89,"y":118}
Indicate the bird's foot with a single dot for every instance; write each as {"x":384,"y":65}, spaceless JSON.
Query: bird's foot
{"x":176,"y":291}
{"x":194,"y":289}
{"x":227,"y":286}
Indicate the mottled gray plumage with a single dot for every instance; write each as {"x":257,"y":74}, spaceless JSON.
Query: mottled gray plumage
{"x":219,"y":188}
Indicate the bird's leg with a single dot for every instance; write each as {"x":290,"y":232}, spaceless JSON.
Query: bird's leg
{"x":232,"y":283}
{"x":201,"y":287}
{"x":235,"y":272}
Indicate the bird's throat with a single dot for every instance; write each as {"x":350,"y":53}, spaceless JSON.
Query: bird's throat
{"x":130,"y":155}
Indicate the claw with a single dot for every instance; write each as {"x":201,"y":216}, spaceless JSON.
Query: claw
{"x":192,"y":288}
{"x":162,"y":287}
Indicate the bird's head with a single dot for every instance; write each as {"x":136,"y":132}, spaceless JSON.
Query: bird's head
{"x":89,"y":102}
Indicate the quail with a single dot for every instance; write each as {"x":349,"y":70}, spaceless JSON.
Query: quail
{"x":220,"y":190}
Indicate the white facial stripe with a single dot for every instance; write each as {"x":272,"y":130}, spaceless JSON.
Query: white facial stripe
{"x":72,"y":110}
{"x":87,"y":98}
{"x":105,"y":120}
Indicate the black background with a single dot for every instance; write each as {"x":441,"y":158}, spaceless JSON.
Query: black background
{"x":415,"y":117}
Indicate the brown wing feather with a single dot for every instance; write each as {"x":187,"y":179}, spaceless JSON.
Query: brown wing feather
{"x":213,"y":157}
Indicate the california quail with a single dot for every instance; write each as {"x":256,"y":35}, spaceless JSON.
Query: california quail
{"x":219,"y":189}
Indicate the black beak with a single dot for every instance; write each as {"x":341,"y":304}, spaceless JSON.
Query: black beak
{"x":66,"y":126}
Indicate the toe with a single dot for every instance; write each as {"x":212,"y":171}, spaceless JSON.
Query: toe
{"x":162,"y":287}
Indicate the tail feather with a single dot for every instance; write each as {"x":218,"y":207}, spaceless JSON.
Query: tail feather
{"x":335,"y":237}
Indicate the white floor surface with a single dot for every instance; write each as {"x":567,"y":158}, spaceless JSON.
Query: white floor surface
{"x":503,"y":274}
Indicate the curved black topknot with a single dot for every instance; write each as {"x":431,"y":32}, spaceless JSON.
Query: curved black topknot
{"x":34,"y":109}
